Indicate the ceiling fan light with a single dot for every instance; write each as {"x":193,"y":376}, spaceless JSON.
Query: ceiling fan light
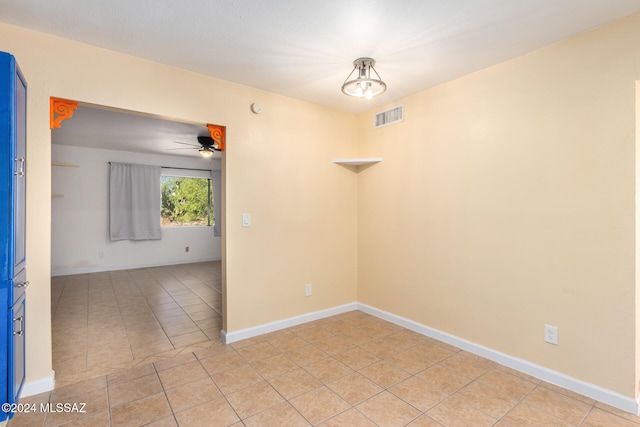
{"x":364,"y":85}
{"x":205,"y":152}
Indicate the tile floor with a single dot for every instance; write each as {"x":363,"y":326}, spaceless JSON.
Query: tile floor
{"x":141,"y":347}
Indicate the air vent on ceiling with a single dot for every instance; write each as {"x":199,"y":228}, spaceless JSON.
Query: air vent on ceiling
{"x":388,"y":117}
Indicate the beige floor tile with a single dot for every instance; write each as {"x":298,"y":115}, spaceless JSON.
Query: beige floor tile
{"x":486,"y":399}
{"x":599,"y":418}
{"x":187,"y":339}
{"x":295,"y":383}
{"x":381,"y":348}
{"x":354,"y":388}
{"x":412,"y":360}
{"x":164,"y":422}
{"x":526,"y":414}
{"x":357,"y":358}
{"x":235,"y":379}
{"x":152,"y":334}
{"x":198,"y":308}
{"x":254,"y":399}
{"x":443,"y":379}
{"x":387,"y":410}
{"x":134,"y":389}
{"x":467,"y":366}
{"x":174,"y":361}
{"x":144,"y":349}
{"x":258,"y":351}
{"x":192,"y":394}
{"x":274,"y":366}
{"x":615,"y":411}
{"x":158,"y":307}
{"x":209,"y":313}
{"x":534,"y":380}
{"x":101,"y":419}
{"x":558,"y":405}
{"x":427,"y":421}
{"x":130,"y":374}
{"x":405,"y":339}
{"x":455,"y":413}
{"x":28,"y":419}
{"x":418,"y":393}
{"x":91,"y":403}
{"x":223,"y":362}
{"x":507,"y":384}
{"x":78,"y":389}
{"x":177,"y":314}
{"x":314,"y":334}
{"x":306,"y":355}
{"x":329,"y":369}
{"x":336,"y":344}
{"x":279,"y":415}
{"x":287,"y":342}
{"x":181,"y":329}
{"x":384,"y":374}
{"x":248,"y":342}
{"x":215,"y":349}
{"x":182,"y":374}
{"x":213,"y":323}
{"x":141,"y":412}
{"x":319,"y":405}
{"x":351,"y":418}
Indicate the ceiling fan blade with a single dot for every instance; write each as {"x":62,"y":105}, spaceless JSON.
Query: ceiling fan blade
{"x":188,"y":143}
{"x":185,"y":148}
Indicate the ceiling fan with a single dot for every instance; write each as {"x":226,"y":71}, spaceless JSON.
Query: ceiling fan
{"x":206,"y":146}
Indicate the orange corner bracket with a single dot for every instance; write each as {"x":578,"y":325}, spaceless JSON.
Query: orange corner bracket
{"x":218,"y":134}
{"x":63,"y":108}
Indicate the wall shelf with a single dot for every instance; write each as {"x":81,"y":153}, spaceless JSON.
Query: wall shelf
{"x":65,"y":165}
{"x":357,"y":161}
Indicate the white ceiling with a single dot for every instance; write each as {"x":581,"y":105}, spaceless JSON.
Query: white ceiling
{"x":305,"y":48}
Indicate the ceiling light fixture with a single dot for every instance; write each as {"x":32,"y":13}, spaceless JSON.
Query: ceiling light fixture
{"x":205,"y":152}
{"x":364,"y":86}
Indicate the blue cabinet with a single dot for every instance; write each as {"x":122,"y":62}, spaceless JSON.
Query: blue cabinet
{"x":13,"y":273}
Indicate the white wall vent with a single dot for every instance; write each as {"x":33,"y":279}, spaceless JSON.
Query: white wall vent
{"x":388,"y":117}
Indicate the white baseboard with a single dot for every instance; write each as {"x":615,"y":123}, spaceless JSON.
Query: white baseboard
{"x":38,"y":386}
{"x":598,"y":393}
{"x":255,"y":331}
{"x":100,"y":269}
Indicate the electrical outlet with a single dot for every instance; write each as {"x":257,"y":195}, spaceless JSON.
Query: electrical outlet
{"x":551,"y":334}
{"x":307,"y":290}
{"x":186,"y":248}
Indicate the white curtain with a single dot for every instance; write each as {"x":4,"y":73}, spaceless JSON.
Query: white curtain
{"x":134,"y":202}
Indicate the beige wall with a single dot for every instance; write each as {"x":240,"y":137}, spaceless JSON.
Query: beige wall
{"x":278,"y":168}
{"x":505,"y":201}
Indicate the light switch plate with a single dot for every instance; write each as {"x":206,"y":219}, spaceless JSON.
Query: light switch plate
{"x":246,"y":220}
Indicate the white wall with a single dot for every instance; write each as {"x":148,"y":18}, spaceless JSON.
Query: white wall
{"x":79,"y":219}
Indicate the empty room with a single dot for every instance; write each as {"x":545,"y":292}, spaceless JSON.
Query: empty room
{"x":348,"y":213}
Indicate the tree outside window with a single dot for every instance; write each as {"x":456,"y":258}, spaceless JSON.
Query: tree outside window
{"x":186,"y":202}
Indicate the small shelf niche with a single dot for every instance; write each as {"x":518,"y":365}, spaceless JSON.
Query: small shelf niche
{"x":357,"y":161}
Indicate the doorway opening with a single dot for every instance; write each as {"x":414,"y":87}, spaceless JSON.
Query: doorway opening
{"x":117,"y":304}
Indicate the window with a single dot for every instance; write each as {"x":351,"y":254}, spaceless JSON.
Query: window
{"x":186,"y":201}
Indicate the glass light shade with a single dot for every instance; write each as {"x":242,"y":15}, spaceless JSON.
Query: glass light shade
{"x":205,"y":152}
{"x":365,"y":85}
